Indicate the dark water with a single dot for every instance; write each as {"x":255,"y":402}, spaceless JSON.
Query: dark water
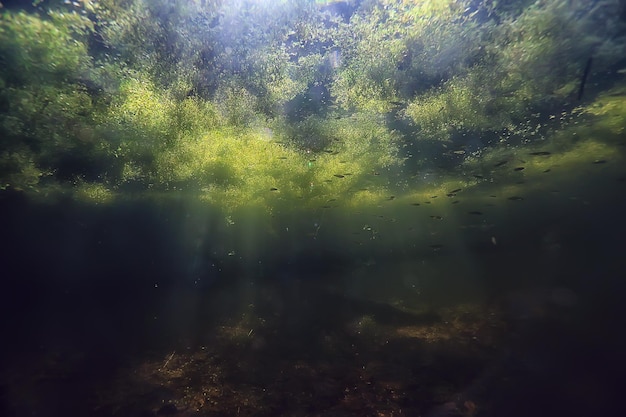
{"x":159,"y":307}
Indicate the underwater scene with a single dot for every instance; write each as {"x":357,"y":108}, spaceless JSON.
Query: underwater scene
{"x":323,"y":208}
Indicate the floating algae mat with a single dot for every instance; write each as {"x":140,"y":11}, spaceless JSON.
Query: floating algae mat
{"x":312,"y":208}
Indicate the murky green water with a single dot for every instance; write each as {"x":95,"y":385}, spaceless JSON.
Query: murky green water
{"x":329,"y":208}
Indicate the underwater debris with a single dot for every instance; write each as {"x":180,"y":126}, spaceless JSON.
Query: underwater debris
{"x":583,"y":79}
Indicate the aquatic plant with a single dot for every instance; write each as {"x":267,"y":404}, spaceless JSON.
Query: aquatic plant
{"x":39,"y":50}
{"x":532,"y":62}
{"x":47,"y":109}
{"x":305,"y":102}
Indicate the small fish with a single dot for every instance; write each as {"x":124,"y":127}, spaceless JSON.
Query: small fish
{"x":455,"y":202}
{"x":516,"y":198}
{"x":347,"y":173}
{"x":540,"y":153}
{"x":338,"y":175}
{"x":499,"y":164}
{"x":391,"y":197}
{"x":396,"y":103}
{"x":480,"y":177}
{"x":434,"y":196}
{"x":436,"y":217}
{"x":415,"y":204}
{"x":477,"y":213}
{"x":273,"y":189}
{"x":325,"y":207}
{"x":547,"y":170}
{"x":459,"y":152}
{"x":451,"y":195}
{"x":519,"y":169}
{"x":282,"y":157}
{"x":599,"y":161}
{"x":455,"y":191}
{"x":436,"y":247}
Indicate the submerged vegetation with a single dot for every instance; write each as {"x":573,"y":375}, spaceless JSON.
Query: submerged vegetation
{"x":248,"y":103}
{"x":312,"y":207}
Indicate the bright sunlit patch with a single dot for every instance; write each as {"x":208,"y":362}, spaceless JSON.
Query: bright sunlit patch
{"x":326,"y":2}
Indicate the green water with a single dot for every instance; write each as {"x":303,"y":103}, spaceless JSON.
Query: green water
{"x":312,"y":208}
